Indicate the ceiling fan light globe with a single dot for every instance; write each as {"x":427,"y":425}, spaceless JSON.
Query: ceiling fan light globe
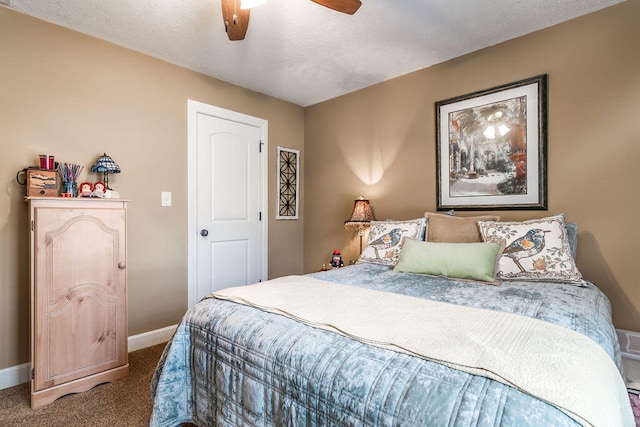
{"x":248,"y":4}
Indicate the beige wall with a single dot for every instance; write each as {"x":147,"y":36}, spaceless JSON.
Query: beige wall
{"x":74,"y":96}
{"x":70,"y":95}
{"x":380,"y":143}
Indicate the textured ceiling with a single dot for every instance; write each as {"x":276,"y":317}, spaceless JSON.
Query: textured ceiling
{"x":304,"y":53}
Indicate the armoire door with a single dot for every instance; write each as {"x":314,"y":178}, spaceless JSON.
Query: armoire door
{"x":79,"y":295}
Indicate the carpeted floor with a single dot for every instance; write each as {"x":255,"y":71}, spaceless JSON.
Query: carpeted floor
{"x":123,"y":403}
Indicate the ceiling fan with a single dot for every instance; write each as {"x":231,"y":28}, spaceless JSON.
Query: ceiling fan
{"x":235,"y":13}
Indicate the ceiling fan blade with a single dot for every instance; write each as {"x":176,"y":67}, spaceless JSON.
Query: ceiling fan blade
{"x":236,"y":20}
{"x":344,"y":6}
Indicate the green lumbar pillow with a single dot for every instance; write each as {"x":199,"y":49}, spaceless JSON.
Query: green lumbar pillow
{"x":475,"y":261}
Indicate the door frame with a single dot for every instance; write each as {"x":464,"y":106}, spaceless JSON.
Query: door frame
{"x":193,"y":109}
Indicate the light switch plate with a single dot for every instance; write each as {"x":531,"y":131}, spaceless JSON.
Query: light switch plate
{"x":166,"y":198}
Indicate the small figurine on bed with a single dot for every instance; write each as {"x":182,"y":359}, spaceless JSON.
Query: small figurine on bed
{"x":336,"y":259}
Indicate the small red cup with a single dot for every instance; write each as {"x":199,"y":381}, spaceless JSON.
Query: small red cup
{"x":47,"y":161}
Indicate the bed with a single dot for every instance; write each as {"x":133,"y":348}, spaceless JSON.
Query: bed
{"x":238,"y":361}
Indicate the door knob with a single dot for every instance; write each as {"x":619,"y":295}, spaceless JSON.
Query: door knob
{"x":204,"y":233}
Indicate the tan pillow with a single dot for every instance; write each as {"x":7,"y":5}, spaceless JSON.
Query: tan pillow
{"x":454,"y":229}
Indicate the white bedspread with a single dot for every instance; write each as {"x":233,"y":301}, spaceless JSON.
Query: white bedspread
{"x":549,"y":362}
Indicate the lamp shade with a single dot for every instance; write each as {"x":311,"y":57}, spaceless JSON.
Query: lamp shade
{"x":106,"y":165}
{"x":361,"y":215}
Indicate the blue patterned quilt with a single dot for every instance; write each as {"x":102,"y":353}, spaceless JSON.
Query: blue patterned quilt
{"x":233,"y":365}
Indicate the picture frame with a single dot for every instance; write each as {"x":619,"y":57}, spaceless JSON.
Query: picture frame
{"x":287,"y":200}
{"x":491,"y":148}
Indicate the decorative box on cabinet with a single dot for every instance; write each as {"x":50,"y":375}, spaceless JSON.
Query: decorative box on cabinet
{"x":78,"y":295}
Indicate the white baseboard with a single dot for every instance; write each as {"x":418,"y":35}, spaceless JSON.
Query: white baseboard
{"x":147,"y":339}
{"x":19,"y":374}
{"x":629,"y":343}
{"x":14,"y":375}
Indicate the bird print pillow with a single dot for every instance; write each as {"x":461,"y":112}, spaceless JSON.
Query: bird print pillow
{"x":386,"y":237}
{"x":535,"y":249}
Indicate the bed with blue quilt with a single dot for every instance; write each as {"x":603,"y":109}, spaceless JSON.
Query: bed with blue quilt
{"x":234,"y":361}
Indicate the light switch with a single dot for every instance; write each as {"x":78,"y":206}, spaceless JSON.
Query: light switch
{"x":166,"y":198}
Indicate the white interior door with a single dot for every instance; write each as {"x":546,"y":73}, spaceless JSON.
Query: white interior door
{"x":228,"y":223}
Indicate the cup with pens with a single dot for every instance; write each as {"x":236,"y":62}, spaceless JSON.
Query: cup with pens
{"x":69,"y":173}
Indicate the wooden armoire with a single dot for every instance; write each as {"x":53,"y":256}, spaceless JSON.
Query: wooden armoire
{"x":78,"y":295}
